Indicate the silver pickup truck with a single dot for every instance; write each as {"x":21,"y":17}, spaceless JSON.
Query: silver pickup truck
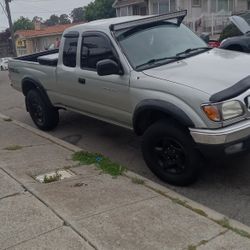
{"x":150,"y":74}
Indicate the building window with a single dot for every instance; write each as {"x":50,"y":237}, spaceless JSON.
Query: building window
{"x":222,"y":5}
{"x":248,"y":5}
{"x":163,"y":6}
{"x":69,"y":51}
{"x":196,"y":3}
{"x":124,"y":11}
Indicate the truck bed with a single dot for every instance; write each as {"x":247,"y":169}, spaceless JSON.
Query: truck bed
{"x":34,"y":57}
{"x":40,"y":67}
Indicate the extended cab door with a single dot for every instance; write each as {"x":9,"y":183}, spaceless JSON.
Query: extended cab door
{"x":67,"y":79}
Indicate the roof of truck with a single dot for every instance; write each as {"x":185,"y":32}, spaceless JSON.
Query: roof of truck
{"x":103,"y":24}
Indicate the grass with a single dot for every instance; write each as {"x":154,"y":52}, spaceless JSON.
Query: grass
{"x":102,"y":162}
{"x":13,"y":147}
{"x":137,"y":180}
{"x":225,"y":223}
{"x":7,"y":120}
{"x":191,"y":247}
{"x":53,"y":178}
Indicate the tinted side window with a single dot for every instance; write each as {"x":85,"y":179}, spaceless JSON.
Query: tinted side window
{"x":69,"y":51}
{"x":94,"y":49}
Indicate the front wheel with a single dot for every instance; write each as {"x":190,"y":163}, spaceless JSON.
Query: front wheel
{"x":43,"y":114}
{"x":169,"y":152}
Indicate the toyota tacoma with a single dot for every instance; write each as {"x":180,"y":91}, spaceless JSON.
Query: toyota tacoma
{"x":149,"y":74}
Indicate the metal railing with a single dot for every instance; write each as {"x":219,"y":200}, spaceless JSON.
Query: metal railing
{"x":212,"y":23}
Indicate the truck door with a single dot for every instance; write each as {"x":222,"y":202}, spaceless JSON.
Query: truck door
{"x":104,"y":96}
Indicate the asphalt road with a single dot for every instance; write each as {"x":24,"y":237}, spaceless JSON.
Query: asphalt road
{"x":224,"y":185}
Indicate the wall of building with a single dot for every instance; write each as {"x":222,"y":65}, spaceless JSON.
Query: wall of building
{"x":43,"y":43}
{"x":241,"y":5}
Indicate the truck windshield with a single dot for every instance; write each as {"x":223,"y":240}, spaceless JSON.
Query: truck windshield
{"x":159,"y":44}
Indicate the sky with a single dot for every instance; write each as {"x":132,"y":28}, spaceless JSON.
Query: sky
{"x":41,"y":8}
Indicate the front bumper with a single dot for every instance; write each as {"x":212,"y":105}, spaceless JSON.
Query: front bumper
{"x":228,"y":140}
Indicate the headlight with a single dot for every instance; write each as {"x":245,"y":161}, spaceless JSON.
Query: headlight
{"x":223,"y":111}
{"x":231,"y":110}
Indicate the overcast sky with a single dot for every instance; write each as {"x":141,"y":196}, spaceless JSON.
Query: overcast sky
{"x":42,"y":8}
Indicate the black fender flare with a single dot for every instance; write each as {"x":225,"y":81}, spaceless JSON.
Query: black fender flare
{"x":29,"y":83}
{"x":167,"y":108}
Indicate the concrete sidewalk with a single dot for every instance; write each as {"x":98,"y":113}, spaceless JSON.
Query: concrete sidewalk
{"x":92,"y":210}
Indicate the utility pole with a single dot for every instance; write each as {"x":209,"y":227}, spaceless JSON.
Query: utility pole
{"x":11,"y":26}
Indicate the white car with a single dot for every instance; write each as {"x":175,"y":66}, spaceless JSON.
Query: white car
{"x":4,"y":63}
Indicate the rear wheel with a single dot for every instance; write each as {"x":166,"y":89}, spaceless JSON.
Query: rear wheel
{"x":170,"y":153}
{"x":44,"y":115}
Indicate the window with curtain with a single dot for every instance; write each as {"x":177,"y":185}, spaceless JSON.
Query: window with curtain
{"x":196,"y":3}
{"x":222,"y":5}
{"x":218,"y":5}
{"x":163,"y":6}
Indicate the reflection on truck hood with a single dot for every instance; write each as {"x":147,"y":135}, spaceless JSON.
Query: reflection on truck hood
{"x":209,"y":72}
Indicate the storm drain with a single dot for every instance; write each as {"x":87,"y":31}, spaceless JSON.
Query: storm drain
{"x":55,"y":176}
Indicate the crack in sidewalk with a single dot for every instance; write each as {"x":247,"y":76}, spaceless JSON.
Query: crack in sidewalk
{"x":32,"y":238}
{"x":10,"y":195}
{"x":204,"y":242}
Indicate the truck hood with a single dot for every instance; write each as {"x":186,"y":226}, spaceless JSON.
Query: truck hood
{"x":240,"y":23}
{"x":209,"y":72}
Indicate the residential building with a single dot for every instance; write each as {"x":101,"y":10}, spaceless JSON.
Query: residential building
{"x":39,"y":39}
{"x":203,"y":15}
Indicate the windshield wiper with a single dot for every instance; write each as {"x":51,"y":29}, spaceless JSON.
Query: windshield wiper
{"x":155,"y":60}
{"x":187,"y":51}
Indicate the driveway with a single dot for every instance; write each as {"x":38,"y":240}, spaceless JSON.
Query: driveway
{"x":224,"y":184}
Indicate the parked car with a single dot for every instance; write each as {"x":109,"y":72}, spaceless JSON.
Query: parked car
{"x":148,"y":74}
{"x":212,"y":43}
{"x":4,"y":63}
{"x":236,"y":36}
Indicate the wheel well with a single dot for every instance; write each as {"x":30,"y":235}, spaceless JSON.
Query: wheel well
{"x":147,"y":117}
{"x":236,"y":47}
{"x":27,"y":86}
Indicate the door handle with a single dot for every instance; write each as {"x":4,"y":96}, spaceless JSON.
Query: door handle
{"x":81,"y":80}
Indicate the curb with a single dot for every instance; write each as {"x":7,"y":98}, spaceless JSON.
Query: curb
{"x":164,"y":191}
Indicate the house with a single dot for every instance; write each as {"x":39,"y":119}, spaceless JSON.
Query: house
{"x":39,"y":39}
{"x":203,"y":15}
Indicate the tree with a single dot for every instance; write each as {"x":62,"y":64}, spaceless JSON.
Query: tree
{"x":37,"y":19}
{"x":23,"y":23}
{"x":99,"y":9}
{"x":53,"y":20}
{"x":77,"y":15}
{"x":64,"y":19}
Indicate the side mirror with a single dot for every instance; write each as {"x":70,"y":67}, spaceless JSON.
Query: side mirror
{"x":108,"y":67}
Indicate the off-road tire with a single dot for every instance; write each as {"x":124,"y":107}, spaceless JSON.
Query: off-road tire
{"x":169,"y":151}
{"x":43,"y":114}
